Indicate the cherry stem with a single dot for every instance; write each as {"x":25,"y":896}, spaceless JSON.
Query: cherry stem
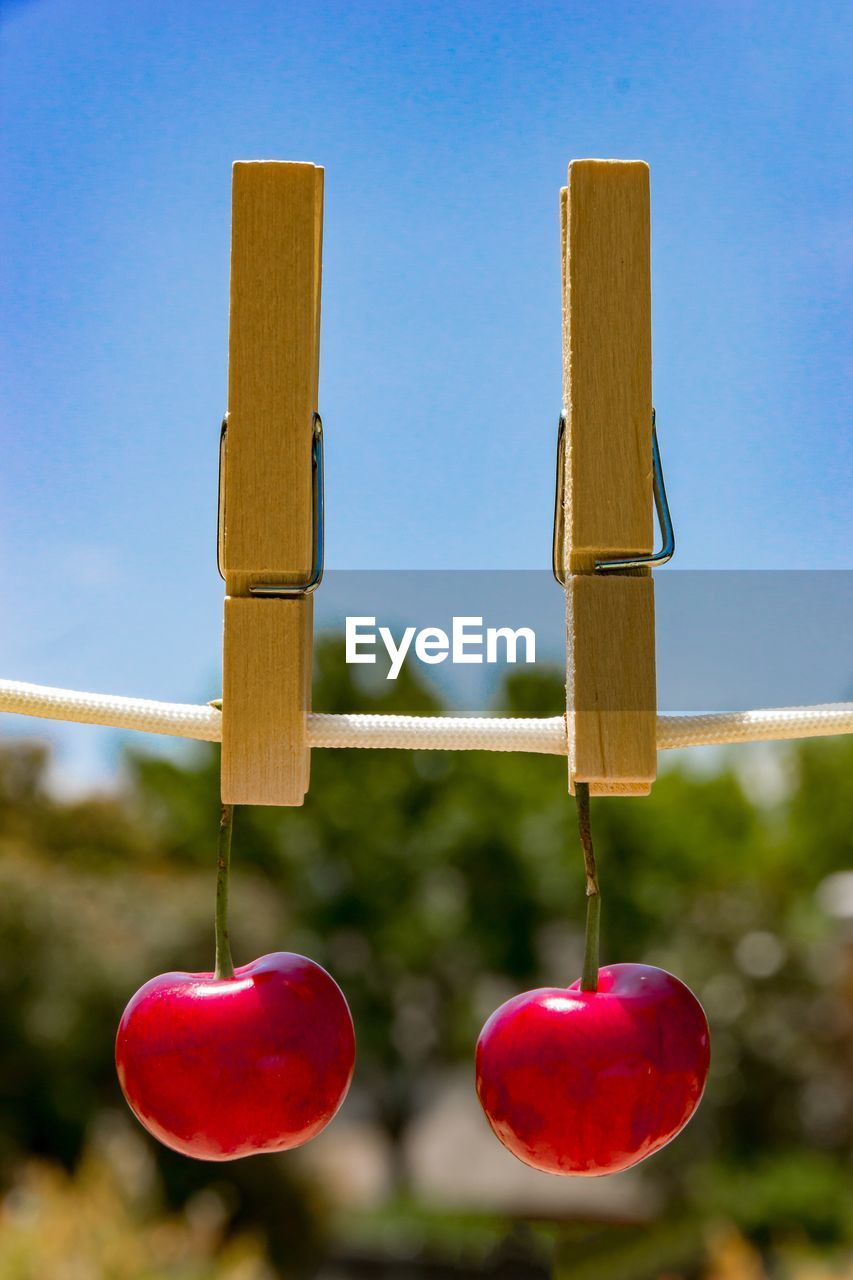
{"x":589,"y":977}
{"x":224,"y":967}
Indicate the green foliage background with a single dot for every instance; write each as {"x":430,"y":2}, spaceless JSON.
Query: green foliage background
{"x":433,"y":886}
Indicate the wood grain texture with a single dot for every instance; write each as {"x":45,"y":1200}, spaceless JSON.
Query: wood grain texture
{"x":610,"y":683}
{"x":607,"y":481}
{"x":265,"y":692}
{"x":273,"y":370}
{"x":607,"y":362}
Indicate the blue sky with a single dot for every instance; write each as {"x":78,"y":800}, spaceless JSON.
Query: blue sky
{"x":445,"y":130}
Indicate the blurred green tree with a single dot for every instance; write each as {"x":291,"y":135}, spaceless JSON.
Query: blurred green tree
{"x":433,"y":886}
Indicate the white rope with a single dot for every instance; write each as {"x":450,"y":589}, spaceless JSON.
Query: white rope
{"x":771,"y":724}
{"x":178,"y":719}
{"x":440,"y":733}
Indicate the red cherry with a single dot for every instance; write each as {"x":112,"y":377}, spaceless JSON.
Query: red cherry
{"x":591,"y":1082}
{"x":228,"y":1067}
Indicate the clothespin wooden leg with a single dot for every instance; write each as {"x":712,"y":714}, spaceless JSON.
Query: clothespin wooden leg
{"x":269,"y":507}
{"x":607,"y":481}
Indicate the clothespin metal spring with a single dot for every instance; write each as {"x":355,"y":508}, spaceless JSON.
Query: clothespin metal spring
{"x":277,"y":590}
{"x":667,"y":531}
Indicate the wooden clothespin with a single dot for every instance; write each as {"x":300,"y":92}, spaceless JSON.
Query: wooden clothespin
{"x":270,"y":533}
{"x":604,"y":534}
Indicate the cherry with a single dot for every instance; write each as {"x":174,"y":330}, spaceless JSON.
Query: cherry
{"x":219,"y":1068}
{"x":238,"y":1061}
{"x":590,"y":1082}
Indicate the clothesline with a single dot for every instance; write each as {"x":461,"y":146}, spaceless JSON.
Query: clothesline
{"x":544,"y":735}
